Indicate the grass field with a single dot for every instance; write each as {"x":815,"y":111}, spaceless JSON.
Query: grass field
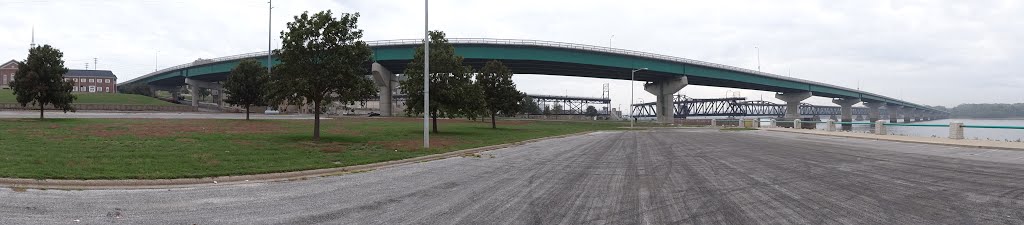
{"x":6,"y":96}
{"x":160,"y":148}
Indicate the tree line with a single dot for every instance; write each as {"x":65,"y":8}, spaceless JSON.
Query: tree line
{"x":985,"y":110}
{"x":322,"y":60}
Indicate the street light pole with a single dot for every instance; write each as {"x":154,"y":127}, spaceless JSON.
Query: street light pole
{"x":758,"y":58}
{"x":270,"y":21}
{"x":426,"y":75}
{"x":156,"y":61}
{"x":610,"y":41}
{"x":632,"y":76}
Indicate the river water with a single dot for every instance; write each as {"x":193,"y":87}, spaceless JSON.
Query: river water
{"x":969,"y":133}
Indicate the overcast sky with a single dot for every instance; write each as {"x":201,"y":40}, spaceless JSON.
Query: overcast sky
{"x":929,"y":52}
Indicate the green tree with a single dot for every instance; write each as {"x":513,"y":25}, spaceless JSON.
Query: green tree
{"x":450,"y":83}
{"x":499,"y":91}
{"x":558,"y":109}
{"x":246,"y":85}
{"x":322,"y":60}
{"x":591,"y":111}
{"x":528,"y":106}
{"x":202,"y":93}
{"x":40,"y":80}
{"x":135,"y":88}
{"x":547,"y":110}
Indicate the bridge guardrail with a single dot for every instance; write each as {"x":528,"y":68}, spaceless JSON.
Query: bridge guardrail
{"x":956,"y":129}
{"x":528,"y":42}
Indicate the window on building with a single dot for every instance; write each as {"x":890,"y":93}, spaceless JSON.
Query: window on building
{"x":76,"y":88}
{"x":106,"y":81}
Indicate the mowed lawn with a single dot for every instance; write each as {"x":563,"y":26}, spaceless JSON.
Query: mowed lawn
{"x":171,"y":148}
{"x":7,"y":96}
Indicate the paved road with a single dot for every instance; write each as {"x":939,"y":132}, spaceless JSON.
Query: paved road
{"x":648,"y":177}
{"x":146,"y":115}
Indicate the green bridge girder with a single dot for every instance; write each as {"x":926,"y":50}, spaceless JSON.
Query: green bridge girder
{"x":553,"y":58}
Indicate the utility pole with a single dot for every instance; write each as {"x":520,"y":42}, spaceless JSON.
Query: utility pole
{"x":95,"y":64}
{"x":426,"y":74}
{"x":758,"y":58}
{"x":610,"y":41}
{"x":156,"y":60}
{"x":270,"y":22}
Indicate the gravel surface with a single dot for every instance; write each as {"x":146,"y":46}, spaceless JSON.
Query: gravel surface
{"x":688,"y":176}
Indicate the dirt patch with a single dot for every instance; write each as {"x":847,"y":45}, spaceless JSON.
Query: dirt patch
{"x":327,"y":147}
{"x":19,"y":189}
{"x":242,"y":142}
{"x":343,"y":131}
{"x":414,"y":144}
{"x":207,"y":159}
{"x":173,"y":127}
{"x":443,"y":121}
{"x":78,"y":163}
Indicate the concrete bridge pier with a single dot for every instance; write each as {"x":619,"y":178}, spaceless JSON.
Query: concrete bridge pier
{"x":215,"y":89}
{"x":664,"y":91}
{"x":874,"y":110}
{"x":846,"y":109}
{"x":859,"y":118}
{"x":792,"y":103}
{"x":384,"y":80}
{"x":894,"y":112}
{"x":908,"y":114}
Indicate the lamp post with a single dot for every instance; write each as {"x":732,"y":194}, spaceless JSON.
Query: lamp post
{"x":426,"y":75}
{"x":758,"y":58}
{"x":632,"y":76}
{"x":610,"y":41}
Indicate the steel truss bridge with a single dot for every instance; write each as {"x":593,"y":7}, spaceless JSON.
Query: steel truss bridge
{"x":687,"y":107}
{"x":572,"y":105}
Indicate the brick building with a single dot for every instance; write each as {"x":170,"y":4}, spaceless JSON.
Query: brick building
{"x":102,"y":81}
{"x":92,"y":81}
{"x":7,"y":73}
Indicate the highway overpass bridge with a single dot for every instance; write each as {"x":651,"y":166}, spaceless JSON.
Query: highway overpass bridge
{"x":665,"y":76}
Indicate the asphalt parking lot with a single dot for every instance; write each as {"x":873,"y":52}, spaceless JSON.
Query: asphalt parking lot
{"x":669,"y":176}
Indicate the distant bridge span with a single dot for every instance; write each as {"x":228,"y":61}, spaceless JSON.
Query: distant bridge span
{"x":665,"y":76}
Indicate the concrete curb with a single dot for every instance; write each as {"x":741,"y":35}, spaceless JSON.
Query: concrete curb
{"x":21,"y":183}
{"x":905,"y":139}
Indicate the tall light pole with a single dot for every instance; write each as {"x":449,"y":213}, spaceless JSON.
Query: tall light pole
{"x":426,"y":75}
{"x":758,"y":58}
{"x":610,"y":41}
{"x":632,"y":76}
{"x":156,"y":60}
{"x":270,"y":21}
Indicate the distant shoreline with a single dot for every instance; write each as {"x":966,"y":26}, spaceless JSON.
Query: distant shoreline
{"x":1012,"y":118}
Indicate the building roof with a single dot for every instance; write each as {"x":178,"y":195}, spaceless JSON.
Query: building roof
{"x":90,"y":73}
{"x":9,"y":63}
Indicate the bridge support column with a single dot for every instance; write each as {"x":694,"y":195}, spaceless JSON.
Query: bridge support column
{"x":846,"y":109}
{"x":908,"y":115}
{"x":894,"y":112}
{"x":874,"y":110}
{"x":215,"y":89}
{"x":792,"y":103}
{"x":663,"y":90}
{"x":384,"y":80}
